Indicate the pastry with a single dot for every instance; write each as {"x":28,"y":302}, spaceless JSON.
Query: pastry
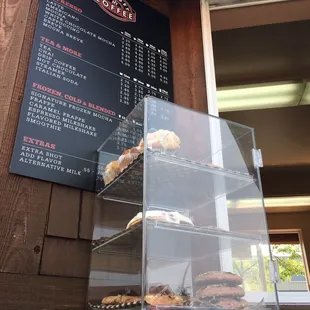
{"x":161,"y":216}
{"x":220,"y":290}
{"x":163,"y":300}
{"x":179,"y":218}
{"x":128,"y":158}
{"x":154,"y":215}
{"x":119,"y":299}
{"x":218,"y":277}
{"x":228,"y":303}
{"x":111,"y":171}
{"x":163,"y":139}
{"x":141,"y":146}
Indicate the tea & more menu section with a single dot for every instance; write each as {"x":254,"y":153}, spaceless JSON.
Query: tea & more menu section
{"x":92,"y":62}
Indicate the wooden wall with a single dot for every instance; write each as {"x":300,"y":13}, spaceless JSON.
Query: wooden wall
{"x":45,"y":228}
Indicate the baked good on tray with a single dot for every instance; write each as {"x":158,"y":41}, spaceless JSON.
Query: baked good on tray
{"x":158,"y":140}
{"x":161,"y":216}
{"x":163,"y":300}
{"x":161,"y":289}
{"x":163,"y":140}
{"x":220,"y":290}
{"x":218,"y":277}
{"x":119,"y":299}
{"x":128,"y":157}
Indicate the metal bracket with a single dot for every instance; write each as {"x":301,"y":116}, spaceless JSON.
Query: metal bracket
{"x":274,"y":272}
{"x":257,"y":158}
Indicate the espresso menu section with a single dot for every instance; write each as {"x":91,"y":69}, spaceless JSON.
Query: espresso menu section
{"x":92,"y":61}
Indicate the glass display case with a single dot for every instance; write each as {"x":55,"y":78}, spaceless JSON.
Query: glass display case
{"x":179,"y":220}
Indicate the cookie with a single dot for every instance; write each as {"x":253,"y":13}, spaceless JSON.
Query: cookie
{"x":119,"y":299}
{"x":218,"y":290}
{"x":163,"y":300}
{"x":228,"y":303}
{"x":218,"y":277}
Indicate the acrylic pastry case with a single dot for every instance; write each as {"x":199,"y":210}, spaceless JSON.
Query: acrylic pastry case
{"x":201,"y":239}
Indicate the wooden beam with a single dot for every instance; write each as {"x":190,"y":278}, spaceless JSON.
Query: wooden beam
{"x":250,"y":16}
{"x":187,"y":54}
{"x":284,"y":181}
{"x":262,"y":54}
{"x":160,"y":5}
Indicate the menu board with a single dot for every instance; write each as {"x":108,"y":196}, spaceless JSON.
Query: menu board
{"x":92,"y":62}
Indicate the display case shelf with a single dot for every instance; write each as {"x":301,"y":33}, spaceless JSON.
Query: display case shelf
{"x":133,"y":234}
{"x":210,"y":181}
{"x":111,"y":307}
{"x":120,"y":306}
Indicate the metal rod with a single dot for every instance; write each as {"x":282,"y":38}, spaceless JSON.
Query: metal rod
{"x":208,"y":58}
{"x":222,"y":218}
{"x":244,"y":4}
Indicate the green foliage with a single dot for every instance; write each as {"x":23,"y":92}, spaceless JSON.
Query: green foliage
{"x":256,"y":276}
{"x":289,"y":259}
{"x":254,"y":279}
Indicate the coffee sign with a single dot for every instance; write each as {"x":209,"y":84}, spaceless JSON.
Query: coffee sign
{"x":91,"y":62}
{"x":119,"y":9}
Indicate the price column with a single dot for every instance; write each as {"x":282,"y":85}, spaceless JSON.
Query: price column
{"x":126,"y":52}
{"x":163,"y":64}
{"x":138,"y":57}
{"x":124,"y":91}
{"x":138,"y":93}
{"x":151,"y":64}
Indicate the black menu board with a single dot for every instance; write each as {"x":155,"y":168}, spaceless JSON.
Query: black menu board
{"x":92,"y":61}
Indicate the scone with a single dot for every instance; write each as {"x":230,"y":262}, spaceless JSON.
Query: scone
{"x":218,"y":277}
{"x":111,"y":171}
{"x":219,"y":290}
